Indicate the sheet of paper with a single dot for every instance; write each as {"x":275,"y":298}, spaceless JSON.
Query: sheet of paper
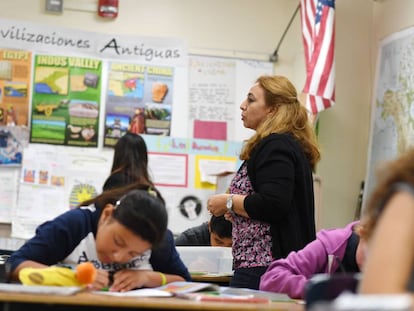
{"x":169,"y":169}
{"x":210,"y":168}
{"x":143,"y":292}
{"x":255,"y":293}
{"x":167,"y":290}
{"x":8,"y":192}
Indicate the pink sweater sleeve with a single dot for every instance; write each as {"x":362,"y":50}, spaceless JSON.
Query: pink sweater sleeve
{"x":291,"y":274}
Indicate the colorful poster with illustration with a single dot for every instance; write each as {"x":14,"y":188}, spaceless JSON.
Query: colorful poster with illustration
{"x":138,"y":99}
{"x":15,"y":76}
{"x":66,"y":100}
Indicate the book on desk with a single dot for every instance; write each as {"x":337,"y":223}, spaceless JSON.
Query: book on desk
{"x":200,"y":291}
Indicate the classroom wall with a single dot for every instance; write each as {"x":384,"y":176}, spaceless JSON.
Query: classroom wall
{"x":252,"y":29}
{"x":344,"y":128}
{"x":390,"y":16}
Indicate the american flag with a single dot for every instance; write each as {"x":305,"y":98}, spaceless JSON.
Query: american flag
{"x":318,"y":31}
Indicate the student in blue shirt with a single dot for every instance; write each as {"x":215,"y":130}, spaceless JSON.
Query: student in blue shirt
{"x":122,"y":232}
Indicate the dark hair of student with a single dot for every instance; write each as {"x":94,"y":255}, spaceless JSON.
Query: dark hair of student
{"x":131,"y":158}
{"x":142,"y":211}
{"x":220,"y":226}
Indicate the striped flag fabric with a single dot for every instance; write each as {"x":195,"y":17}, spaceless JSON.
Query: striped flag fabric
{"x":318,"y":33}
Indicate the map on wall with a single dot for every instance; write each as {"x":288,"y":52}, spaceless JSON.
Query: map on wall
{"x":392,"y":124}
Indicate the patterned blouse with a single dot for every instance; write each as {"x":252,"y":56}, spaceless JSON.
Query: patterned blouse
{"x":252,"y":240}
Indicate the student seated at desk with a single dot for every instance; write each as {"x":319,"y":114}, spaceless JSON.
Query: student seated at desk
{"x":215,"y":232}
{"x":334,"y":250}
{"x":122,"y":232}
{"x":388,"y":226}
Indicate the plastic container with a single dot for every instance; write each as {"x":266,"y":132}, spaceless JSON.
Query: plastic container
{"x":207,"y":259}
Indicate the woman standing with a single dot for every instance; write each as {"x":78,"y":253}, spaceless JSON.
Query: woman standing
{"x":270,"y":199}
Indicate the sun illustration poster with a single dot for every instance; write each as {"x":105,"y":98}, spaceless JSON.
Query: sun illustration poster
{"x":80,"y":193}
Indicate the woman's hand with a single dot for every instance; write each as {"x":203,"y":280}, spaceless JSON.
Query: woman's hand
{"x":228,"y":216}
{"x":216,"y":204}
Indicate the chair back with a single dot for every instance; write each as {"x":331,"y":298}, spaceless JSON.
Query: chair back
{"x":326,"y":287}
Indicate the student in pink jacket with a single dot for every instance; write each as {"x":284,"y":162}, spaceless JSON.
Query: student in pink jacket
{"x":334,"y":250}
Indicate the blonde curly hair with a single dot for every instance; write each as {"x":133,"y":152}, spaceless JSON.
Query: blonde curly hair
{"x":288,"y":116}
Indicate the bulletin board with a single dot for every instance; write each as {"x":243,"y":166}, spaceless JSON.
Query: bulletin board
{"x":198,"y":135}
{"x":55,"y":179}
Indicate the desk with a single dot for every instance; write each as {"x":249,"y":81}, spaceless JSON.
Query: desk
{"x":222,"y":280}
{"x":89,"y":301}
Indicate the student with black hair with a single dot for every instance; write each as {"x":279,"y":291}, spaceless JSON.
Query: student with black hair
{"x":122,"y":231}
{"x":130,"y":163}
{"x":215,"y":232}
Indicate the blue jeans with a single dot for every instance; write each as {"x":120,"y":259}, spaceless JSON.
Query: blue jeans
{"x":247,"y":277}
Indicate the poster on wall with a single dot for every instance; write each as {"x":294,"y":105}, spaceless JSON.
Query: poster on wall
{"x":138,"y":99}
{"x":163,"y":63}
{"x":158,"y":107}
{"x":55,"y":179}
{"x":15,"y":73}
{"x":9,"y":178}
{"x":66,"y":100}
{"x":211,"y":96}
{"x":185,"y":171}
{"x":217,"y":86}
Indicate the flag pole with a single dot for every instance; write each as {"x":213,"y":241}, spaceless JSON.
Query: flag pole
{"x":275,"y":56}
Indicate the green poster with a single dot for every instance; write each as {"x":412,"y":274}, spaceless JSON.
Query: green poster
{"x":66,"y":100}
